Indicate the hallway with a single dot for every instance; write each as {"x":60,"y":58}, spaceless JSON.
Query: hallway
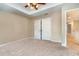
{"x":72,"y":43}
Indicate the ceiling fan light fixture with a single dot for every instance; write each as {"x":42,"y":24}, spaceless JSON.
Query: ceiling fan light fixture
{"x":34,"y":5}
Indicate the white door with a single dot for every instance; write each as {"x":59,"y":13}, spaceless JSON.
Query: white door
{"x":36,"y":29}
{"x":46,"y":29}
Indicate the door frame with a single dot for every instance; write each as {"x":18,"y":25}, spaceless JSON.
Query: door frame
{"x":64,"y":17}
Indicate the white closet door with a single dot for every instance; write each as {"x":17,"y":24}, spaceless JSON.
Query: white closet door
{"x":46,"y":29}
{"x":36,"y":29}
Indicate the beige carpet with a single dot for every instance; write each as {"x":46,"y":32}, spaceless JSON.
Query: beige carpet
{"x":32,"y":47}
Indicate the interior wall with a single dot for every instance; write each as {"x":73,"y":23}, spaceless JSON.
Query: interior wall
{"x":76,"y":30}
{"x":76,"y":25}
{"x":13,"y":27}
{"x":56,"y":25}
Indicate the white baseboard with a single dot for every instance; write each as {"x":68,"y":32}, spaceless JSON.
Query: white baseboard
{"x":64,"y":45}
{"x":56,"y":41}
{"x":14,"y":41}
{"x":50,"y":40}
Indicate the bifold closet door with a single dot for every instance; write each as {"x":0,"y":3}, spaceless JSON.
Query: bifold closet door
{"x":37,"y":29}
{"x":46,"y":29}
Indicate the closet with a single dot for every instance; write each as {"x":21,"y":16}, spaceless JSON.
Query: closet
{"x":42,"y":29}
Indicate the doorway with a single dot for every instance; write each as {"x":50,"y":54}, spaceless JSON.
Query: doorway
{"x":72,"y":26}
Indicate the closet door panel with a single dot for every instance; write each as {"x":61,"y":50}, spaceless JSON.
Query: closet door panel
{"x":37,"y":29}
{"x":46,"y":29}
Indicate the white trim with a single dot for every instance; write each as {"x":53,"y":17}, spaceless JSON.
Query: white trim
{"x":72,"y":9}
{"x":55,"y":41}
{"x":64,"y":45}
{"x":14,"y":41}
{"x":64,"y":29}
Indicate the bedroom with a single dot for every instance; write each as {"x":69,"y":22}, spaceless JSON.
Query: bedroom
{"x":24,"y":31}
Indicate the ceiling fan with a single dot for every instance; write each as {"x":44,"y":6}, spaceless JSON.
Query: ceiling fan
{"x":34,"y":5}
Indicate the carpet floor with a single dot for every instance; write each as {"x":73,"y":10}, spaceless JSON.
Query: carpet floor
{"x":32,"y":47}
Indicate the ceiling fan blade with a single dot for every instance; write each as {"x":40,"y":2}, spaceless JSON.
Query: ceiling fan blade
{"x":34,"y":5}
{"x":42,"y":3}
{"x":26,"y":6}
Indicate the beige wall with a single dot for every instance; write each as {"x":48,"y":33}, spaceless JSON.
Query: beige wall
{"x":76,"y":26}
{"x":56,"y":25}
{"x":13,"y":27}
